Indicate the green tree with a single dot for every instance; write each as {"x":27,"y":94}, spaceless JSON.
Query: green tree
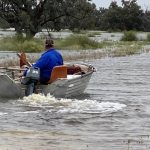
{"x":80,"y":16}
{"x":23,"y":14}
{"x":132,"y":15}
{"x":127,"y":17}
{"x":99,"y":19}
{"x":112,"y":18}
{"x":146,"y":21}
{"x":30,"y":16}
{"x":3,"y":23}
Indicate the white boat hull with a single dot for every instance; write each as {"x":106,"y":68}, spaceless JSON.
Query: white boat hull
{"x":62,"y":88}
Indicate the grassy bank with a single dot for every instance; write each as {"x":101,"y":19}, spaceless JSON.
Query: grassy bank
{"x":20,"y":44}
{"x":75,"y":42}
{"x":78,"y":42}
{"x":112,"y":49}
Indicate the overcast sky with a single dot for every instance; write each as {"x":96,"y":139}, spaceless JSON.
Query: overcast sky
{"x":145,"y":4}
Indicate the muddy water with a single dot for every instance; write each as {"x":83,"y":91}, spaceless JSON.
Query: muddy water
{"x":112,"y":114}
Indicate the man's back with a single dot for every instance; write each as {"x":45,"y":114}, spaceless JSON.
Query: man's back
{"x":46,"y":62}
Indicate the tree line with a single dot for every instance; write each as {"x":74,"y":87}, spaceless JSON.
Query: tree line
{"x":31,"y":16}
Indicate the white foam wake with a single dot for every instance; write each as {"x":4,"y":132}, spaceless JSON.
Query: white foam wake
{"x":42,"y":100}
{"x":72,"y":105}
{"x":92,"y":106}
{"x":2,"y":113}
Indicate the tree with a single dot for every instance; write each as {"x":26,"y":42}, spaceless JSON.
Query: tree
{"x":127,"y":17}
{"x":100,"y":19}
{"x":132,"y":15}
{"x":30,"y":16}
{"x":23,"y":14}
{"x":112,"y":18}
{"x":3,"y":23}
{"x":81,"y":15}
{"x":146,"y":21}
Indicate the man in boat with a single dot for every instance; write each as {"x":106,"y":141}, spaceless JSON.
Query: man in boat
{"x":48,"y":60}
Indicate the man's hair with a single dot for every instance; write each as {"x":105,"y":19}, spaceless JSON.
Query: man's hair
{"x":49,"y":42}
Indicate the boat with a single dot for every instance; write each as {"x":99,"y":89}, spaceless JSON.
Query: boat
{"x":66,"y":81}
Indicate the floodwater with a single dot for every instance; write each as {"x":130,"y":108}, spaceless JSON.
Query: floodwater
{"x":101,"y":36}
{"x":112,"y":114}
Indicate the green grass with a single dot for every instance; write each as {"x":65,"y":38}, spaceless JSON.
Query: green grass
{"x":129,"y":36}
{"x":148,"y":37}
{"x":109,"y":48}
{"x":77,"y":42}
{"x":21,"y":44}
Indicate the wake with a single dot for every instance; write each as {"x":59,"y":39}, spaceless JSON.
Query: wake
{"x":71,"y":105}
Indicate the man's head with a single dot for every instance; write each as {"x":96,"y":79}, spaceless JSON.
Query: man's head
{"x":49,"y":43}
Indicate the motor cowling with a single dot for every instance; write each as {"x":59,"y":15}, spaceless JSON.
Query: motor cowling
{"x":31,"y":79}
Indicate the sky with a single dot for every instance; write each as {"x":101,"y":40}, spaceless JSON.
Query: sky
{"x":145,"y":4}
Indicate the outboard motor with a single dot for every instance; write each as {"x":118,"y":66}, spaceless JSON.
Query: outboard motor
{"x":31,"y":79}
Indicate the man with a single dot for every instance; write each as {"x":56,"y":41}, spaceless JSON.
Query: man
{"x":49,"y":59}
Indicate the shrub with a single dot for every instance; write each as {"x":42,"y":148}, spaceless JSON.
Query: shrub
{"x":148,"y":37}
{"x":129,"y":36}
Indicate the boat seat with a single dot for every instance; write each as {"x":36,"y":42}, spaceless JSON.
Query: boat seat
{"x":58,"y":72}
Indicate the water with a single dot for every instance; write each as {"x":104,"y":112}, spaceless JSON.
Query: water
{"x":112,"y":114}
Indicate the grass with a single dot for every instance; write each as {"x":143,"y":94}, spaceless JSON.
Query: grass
{"x":77,"y":42}
{"x":148,"y":37}
{"x":129,"y":36}
{"x":111,"y":49}
{"x":126,"y":51}
{"x":93,"y":34}
{"x":125,"y":48}
{"x":20,"y":44}
{"x":91,"y":49}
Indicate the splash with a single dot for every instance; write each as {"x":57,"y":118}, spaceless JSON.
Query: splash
{"x":2,"y":113}
{"x":71,"y":105}
{"x":42,"y":100}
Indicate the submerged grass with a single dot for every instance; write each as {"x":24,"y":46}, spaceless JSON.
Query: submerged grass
{"x":125,"y":48}
{"x":126,"y":51}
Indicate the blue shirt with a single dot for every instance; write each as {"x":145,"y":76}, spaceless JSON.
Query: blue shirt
{"x":46,"y":62}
